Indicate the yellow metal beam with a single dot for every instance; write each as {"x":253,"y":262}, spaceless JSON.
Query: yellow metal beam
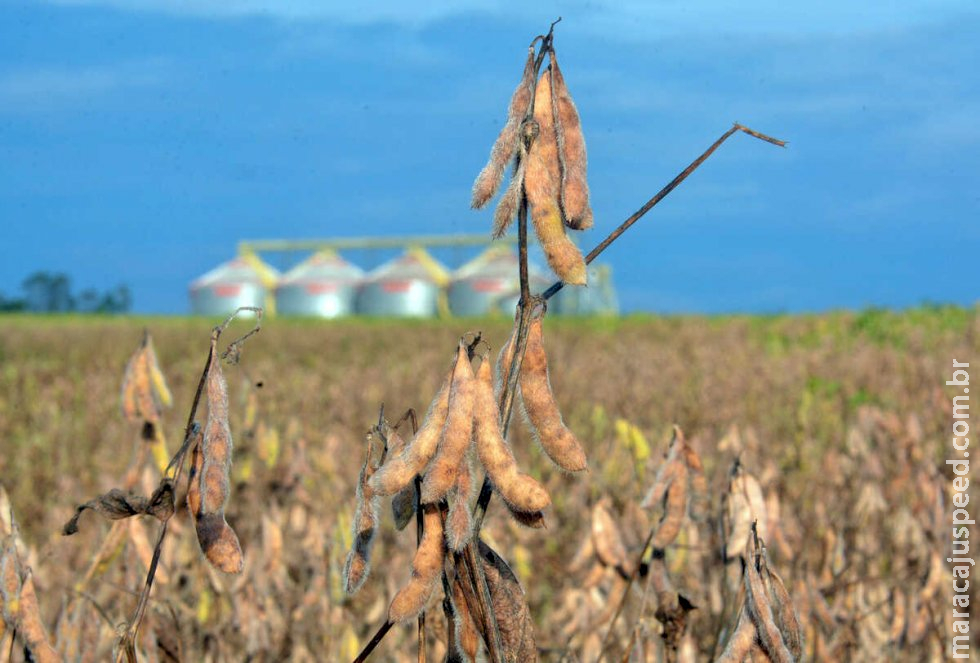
{"x":342,"y":243}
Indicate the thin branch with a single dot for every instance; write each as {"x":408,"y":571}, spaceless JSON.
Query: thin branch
{"x":673,"y":184}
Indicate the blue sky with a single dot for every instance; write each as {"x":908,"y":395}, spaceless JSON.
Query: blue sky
{"x":140,"y":145}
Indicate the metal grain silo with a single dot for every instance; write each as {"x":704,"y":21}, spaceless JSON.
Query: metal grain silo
{"x":408,"y":286}
{"x":490,"y":283}
{"x":244,"y":281}
{"x":322,"y":286}
{"x":599,"y":298}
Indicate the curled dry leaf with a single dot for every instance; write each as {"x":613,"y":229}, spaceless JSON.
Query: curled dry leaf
{"x":117,"y":504}
{"x":510,"y":608}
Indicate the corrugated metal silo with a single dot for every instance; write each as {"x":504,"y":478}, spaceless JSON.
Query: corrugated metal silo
{"x":408,"y":286}
{"x":323,"y":286}
{"x":244,"y":281}
{"x":599,"y":298}
{"x":491,"y":283}
{"x":478,"y":286}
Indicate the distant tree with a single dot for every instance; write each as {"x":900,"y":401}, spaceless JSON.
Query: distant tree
{"x":47,"y":292}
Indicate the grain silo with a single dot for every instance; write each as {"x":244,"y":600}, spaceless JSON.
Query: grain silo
{"x":244,"y":281}
{"x":411,"y":285}
{"x":322,"y":286}
{"x":490,"y":283}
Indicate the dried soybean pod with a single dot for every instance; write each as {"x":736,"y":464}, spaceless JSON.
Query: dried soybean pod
{"x":786,"y":618}
{"x":467,"y":640}
{"x":757,"y":602}
{"x":542,"y":185}
{"x":426,"y":568}
{"x":456,"y":434}
{"x":403,"y":502}
{"x":218,"y":541}
{"x":509,"y":203}
{"x":488,"y":181}
{"x":158,"y":383}
{"x":675,"y":508}
{"x":520,"y":491}
{"x":542,"y":410}
{"x":459,"y":523}
{"x":399,"y":471}
{"x":741,"y":640}
{"x":30,"y":626}
{"x":365,"y":524}
{"x":571,"y":153}
{"x":606,"y":538}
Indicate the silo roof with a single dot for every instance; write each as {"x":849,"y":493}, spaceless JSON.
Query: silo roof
{"x":322,"y":266}
{"x":497,"y":261}
{"x":243,"y":269}
{"x":415,"y":263}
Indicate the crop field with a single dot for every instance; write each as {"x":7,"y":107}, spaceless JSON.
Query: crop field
{"x":829,"y":431}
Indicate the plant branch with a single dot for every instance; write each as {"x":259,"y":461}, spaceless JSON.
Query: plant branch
{"x":673,"y":184}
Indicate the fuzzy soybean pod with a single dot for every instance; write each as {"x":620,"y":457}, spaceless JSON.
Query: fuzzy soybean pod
{"x":541,"y":409}
{"x":502,"y":153}
{"x":571,"y":153}
{"x":456,"y":434}
{"x":426,"y":568}
{"x":459,"y":522}
{"x":675,"y":508}
{"x":542,"y":185}
{"x":403,"y":502}
{"x":757,"y":601}
{"x":399,"y":471}
{"x":218,"y":540}
{"x":510,"y":202}
{"x":741,"y":640}
{"x":30,"y":626}
{"x":364,"y":526}
{"x":520,"y":491}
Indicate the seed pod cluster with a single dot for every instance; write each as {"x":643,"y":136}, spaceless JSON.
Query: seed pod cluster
{"x":209,"y":478}
{"x":767,"y":627}
{"x":550,"y":174}
{"x":364,"y":526}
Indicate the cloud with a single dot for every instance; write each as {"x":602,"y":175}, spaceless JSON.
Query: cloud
{"x":630,"y":19}
{"x":41,"y":87}
{"x":409,"y":13}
